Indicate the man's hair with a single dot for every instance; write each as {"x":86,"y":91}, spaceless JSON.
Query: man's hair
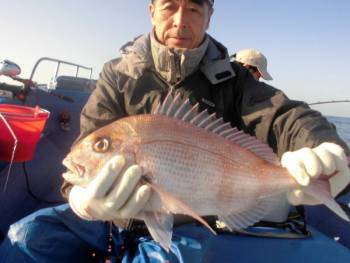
{"x":199,"y":2}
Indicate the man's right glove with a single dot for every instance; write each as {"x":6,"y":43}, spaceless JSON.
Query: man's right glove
{"x":327,"y":159}
{"x":105,"y":200}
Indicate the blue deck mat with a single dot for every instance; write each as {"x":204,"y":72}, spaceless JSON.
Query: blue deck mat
{"x":238,"y":248}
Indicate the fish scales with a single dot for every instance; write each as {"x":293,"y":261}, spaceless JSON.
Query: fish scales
{"x":202,"y":168}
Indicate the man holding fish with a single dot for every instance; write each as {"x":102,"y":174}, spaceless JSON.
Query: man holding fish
{"x":176,"y":58}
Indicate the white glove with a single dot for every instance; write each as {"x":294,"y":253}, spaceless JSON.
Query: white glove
{"x":326,"y":159}
{"x":104,"y":199}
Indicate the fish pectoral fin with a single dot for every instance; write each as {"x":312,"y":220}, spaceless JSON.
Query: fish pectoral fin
{"x":248,"y":217}
{"x":173,"y":205}
{"x":160,"y":226}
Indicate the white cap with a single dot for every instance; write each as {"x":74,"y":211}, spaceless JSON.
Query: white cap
{"x":254,"y":58}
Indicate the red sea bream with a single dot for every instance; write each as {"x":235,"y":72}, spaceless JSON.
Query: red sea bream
{"x":196,"y":164}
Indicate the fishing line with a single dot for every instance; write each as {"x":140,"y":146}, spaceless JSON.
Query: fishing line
{"x":23,"y":165}
{"x":13,"y":151}
{"x":328,"y":101}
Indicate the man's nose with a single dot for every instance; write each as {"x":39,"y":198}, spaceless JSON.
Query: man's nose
{"x":180,"y":19}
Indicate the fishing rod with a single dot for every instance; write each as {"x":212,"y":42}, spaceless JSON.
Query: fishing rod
{"x":328,"y":101}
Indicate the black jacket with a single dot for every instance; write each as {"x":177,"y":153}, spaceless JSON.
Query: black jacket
{"x":130,"y":85}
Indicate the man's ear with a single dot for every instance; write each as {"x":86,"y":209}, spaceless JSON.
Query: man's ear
{"x":151,"y":10}
{"x":211,"y":11}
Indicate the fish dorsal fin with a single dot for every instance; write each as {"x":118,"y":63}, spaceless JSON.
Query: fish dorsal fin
{"x":183,"y":110}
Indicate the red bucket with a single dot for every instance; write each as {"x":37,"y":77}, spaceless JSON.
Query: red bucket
{"x":27,"y":123}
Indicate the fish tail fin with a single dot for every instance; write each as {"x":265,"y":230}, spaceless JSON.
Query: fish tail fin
{"x":320,"y":190}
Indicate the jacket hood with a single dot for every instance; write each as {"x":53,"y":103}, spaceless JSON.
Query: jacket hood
{"x":136,"y":57}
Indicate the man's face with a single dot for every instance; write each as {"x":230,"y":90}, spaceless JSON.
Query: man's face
{"x":180,"y":23}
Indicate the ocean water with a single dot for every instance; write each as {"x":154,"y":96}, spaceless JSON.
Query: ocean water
{"x":343,"y":127}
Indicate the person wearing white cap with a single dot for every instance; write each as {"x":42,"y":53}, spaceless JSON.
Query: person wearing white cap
{"x":254,"y":61}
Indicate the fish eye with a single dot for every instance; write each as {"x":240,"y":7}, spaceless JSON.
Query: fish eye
{"x":102,"y":145}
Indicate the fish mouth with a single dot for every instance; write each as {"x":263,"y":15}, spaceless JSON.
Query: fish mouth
{"x":74,"y":169}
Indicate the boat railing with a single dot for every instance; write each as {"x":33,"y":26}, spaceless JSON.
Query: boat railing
{"x":59,"y":63}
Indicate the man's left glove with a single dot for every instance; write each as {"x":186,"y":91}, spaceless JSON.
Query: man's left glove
{"x":105,"y":200}
{"x":326,"y":159}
